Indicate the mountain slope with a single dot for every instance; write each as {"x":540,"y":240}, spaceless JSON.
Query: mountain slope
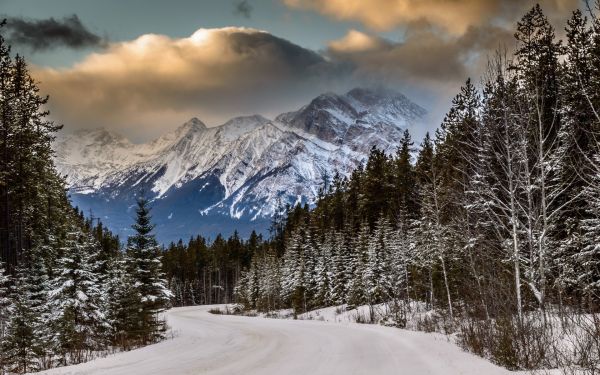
{"x":210,"y":180}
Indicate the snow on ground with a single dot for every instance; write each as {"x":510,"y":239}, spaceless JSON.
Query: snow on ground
{"x":377,"y":314}
{"x":210,"y":344}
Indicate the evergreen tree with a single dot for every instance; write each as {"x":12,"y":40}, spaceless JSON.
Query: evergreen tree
{"x":20,"y":346}
{"x":121,"y":306}
{"x":339,"y":274}
{"x":323,"y":272}
{"x":144,"y":266}
{"x":357,"y":291}
{"x":405,"y":202}
{"x":377,"y":273}
{"x":583,"y":267}
{"x":293,"y":273}
{"x":574,"y":157}
{"x":76,"y":301}
{"x":5,"y":300}
{"x":38,"y":284}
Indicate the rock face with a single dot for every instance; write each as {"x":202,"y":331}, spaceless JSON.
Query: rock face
{"x":234,"y":176}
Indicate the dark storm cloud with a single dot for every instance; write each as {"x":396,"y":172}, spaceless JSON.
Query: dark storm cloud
{"x":291,"y":55}
{"x":243,"y":8}
{"x":49,"y":33}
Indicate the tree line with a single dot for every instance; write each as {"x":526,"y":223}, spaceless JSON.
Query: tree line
{"x":494,"y":227}
{"x":204,"y":272}
{"x":67,"y":291}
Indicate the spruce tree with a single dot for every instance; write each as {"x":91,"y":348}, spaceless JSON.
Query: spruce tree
{"x":323,"y":272}
{"x":20,"y":347}
{"x":405,"y":185}
{"x":357,"y":291}
{"x":77,"y":316}
{"x":339,"y":271}
{"x":37,"y":281}
{"x":293,"y":273}
{"x":121,"y":306}
{"x":377,"y":272}
{"x":144,"y":266}
{"x":5,"y":300}
{"x":574,"y":158}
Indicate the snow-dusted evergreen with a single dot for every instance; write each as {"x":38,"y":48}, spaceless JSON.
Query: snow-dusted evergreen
{"x":5,"y":300}
{"x":142,"y":262}
{"x":21,"y":345}
{"x":75,"y":300}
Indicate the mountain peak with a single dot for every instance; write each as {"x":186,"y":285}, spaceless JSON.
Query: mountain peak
{"x":237,"y":126}
{"x":254,"y":119}
{"x":385,"y":103}
{"x":334,"y":118}
{"x":193,"y":124}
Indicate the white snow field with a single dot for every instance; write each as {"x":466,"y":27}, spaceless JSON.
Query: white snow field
{"x":227,"y":345}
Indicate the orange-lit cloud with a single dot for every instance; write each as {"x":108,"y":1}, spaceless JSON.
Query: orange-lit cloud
{"x":454,"y":16}
{"x":357,"y":42}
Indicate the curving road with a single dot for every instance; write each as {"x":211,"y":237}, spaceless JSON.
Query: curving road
{"x":228,"y":345}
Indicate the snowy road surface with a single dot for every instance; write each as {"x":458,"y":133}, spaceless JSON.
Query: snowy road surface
{"x":229,"y":345}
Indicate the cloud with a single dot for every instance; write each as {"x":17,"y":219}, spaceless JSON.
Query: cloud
{"x":155,"y":82}
{"x":423,"y":58}
{"x":146,"y":86}
{"x":454,"y":16}
{"x":48,"y":33}
{"x":243,"y":8}
{"x":357,"y":42}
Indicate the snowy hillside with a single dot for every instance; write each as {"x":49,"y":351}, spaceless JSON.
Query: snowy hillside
{"x":235,"y":175}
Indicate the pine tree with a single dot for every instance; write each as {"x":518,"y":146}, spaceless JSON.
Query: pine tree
{"x":309,"y":254}
{"x":377,"y":273}
{"x":377,"y":184}
{"x":122,"y":306}
{"x":339,"y":276}
{"x":37,"y":283}
{"x":76,"y":301}
{"x":323,"y":271}
{"x":574,"y":157}
{"x":405,"y":203}
{"x":583,"y":267}
{"x":357,"y":291}
{"x":20,"y":346}
{"x":5,"y":301}
{"x":144,"y":266}
{"x":293,"y":274}
{"x":270,"y":282}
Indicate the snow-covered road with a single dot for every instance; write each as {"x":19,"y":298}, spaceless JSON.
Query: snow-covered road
{"x":219,"y":344}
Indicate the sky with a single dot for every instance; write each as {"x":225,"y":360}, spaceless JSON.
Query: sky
{"x":143,"y":67}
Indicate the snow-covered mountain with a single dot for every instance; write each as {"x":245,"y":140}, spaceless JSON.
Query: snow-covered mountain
{"x":234,"y":176}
